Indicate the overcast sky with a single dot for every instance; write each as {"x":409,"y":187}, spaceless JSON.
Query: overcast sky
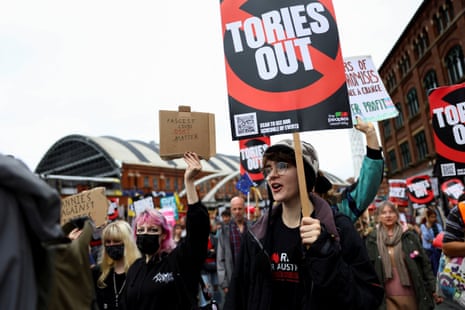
{"x":107,"y":67}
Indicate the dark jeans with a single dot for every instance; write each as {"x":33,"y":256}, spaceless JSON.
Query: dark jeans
{"x":434,"y":255}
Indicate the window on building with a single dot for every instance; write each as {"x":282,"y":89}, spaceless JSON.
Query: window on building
{"x":412,"y":102}
{"x":167,"y":183}
{"x":155,"y":183}
{"x":443,"y":17}
{"x":399,"y":120}
{"x":176,"y":184}
{"x":404,"y":64}
{"x":421,"y":145}
{"x":391,"y":80}
{"x":420,"y":44}
{"x":387,"y":128}
{"x":455,"y":64}
{"x":405,"y":154}
{"x":146,"y":181}
{"x":392,"y":160}
{"x":430,"y":80}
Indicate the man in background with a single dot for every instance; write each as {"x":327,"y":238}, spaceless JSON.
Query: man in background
{"x":229,"y":242}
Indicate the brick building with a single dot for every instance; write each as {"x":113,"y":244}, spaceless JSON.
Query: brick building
{"x":429,"y":53}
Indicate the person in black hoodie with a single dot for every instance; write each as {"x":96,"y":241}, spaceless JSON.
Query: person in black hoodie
{"x":291,"y":261}
{"x":167,"y":277}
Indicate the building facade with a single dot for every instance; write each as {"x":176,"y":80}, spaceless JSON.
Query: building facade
{"x":428,"y":54}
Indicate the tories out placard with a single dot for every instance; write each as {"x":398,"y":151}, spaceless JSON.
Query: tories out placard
{"x":398,"y":192}
{"x":447,"y":108}
{"x":284,"y":67}
{"x":367,"y":94}
{"x":251,"y":154}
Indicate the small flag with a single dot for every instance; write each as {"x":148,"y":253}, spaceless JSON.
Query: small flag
{"x":244,"y":183}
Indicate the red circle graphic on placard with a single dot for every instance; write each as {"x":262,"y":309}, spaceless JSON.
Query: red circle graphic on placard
{"x":330,"y":70}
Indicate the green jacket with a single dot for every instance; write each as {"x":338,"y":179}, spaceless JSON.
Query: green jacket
{"x":356,"y":199}
{"x":418,"y":267}
{"x":72,"y":284}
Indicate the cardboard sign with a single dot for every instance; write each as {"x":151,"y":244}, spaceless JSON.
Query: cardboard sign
{"x":368,"y":96}
{"x":398,"y":192}
{"x":251,"y":157}
{"x":182,"y":131}
{"x":284,"y":67}
{"x":92,"y":203}
{"x":419,"y":189}
{"x":447,"y":110}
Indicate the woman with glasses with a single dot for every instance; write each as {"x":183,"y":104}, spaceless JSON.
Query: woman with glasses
{"x":293,"y":261}
{"x":119,"y":251}
{"x":167,"y":276}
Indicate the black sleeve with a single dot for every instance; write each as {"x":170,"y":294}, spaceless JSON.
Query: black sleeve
{"x":346,"y":279}
{"x":374,"y":154}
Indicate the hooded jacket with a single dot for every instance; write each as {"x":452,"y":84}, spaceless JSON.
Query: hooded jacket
{"x":29,"y":216}
{"x":171,"y":281}
{"x":334,"y":274}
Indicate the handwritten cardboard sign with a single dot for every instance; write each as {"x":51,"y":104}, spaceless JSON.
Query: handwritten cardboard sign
{"x":92,"y":203}
{"x":367,"y":94}
{"x":183,"y":130}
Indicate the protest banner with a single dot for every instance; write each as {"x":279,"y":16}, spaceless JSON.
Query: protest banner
{"x":419,"y":189}
{"x":398,"y":192}
{"x":92,"y":203}
{"x":284,"y":67}
{"x":170,"y":215}
{"x":453,"y":188}
{"x":447,"y":110}
{"x":251,"y":155}
{"x":284,"y":71}
{"x":183,"y":130}
{"x":367,"y":95}
{"x":170,"y":202}
{"x":143,"y":204}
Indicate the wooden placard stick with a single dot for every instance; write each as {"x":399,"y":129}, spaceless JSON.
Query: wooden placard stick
{"x":304,"y":200}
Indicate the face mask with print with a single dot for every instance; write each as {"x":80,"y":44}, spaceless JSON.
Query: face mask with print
{"x":148,"y":244}
{"x":115,"y":252}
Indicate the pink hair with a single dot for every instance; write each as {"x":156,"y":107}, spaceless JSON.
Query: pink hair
{"x":154,"y":217}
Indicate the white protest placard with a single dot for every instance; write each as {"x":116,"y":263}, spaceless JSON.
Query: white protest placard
{"x":92,"y":203}
{"x":367,"y":95}
{"x":143,"y":204}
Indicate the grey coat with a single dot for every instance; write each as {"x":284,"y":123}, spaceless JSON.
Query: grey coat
{"x":224,"y":256}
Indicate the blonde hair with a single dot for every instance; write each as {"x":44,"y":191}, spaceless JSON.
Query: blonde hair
{"x":118,"y":230}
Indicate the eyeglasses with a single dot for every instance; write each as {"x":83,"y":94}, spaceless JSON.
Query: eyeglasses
{"x":280,"y":169}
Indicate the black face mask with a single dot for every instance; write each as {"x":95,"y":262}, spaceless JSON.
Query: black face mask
{"x":116,"y":252}
{"x":148,"y":244}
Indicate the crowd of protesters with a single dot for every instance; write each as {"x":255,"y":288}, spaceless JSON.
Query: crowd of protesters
{"x":279,"y":259}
